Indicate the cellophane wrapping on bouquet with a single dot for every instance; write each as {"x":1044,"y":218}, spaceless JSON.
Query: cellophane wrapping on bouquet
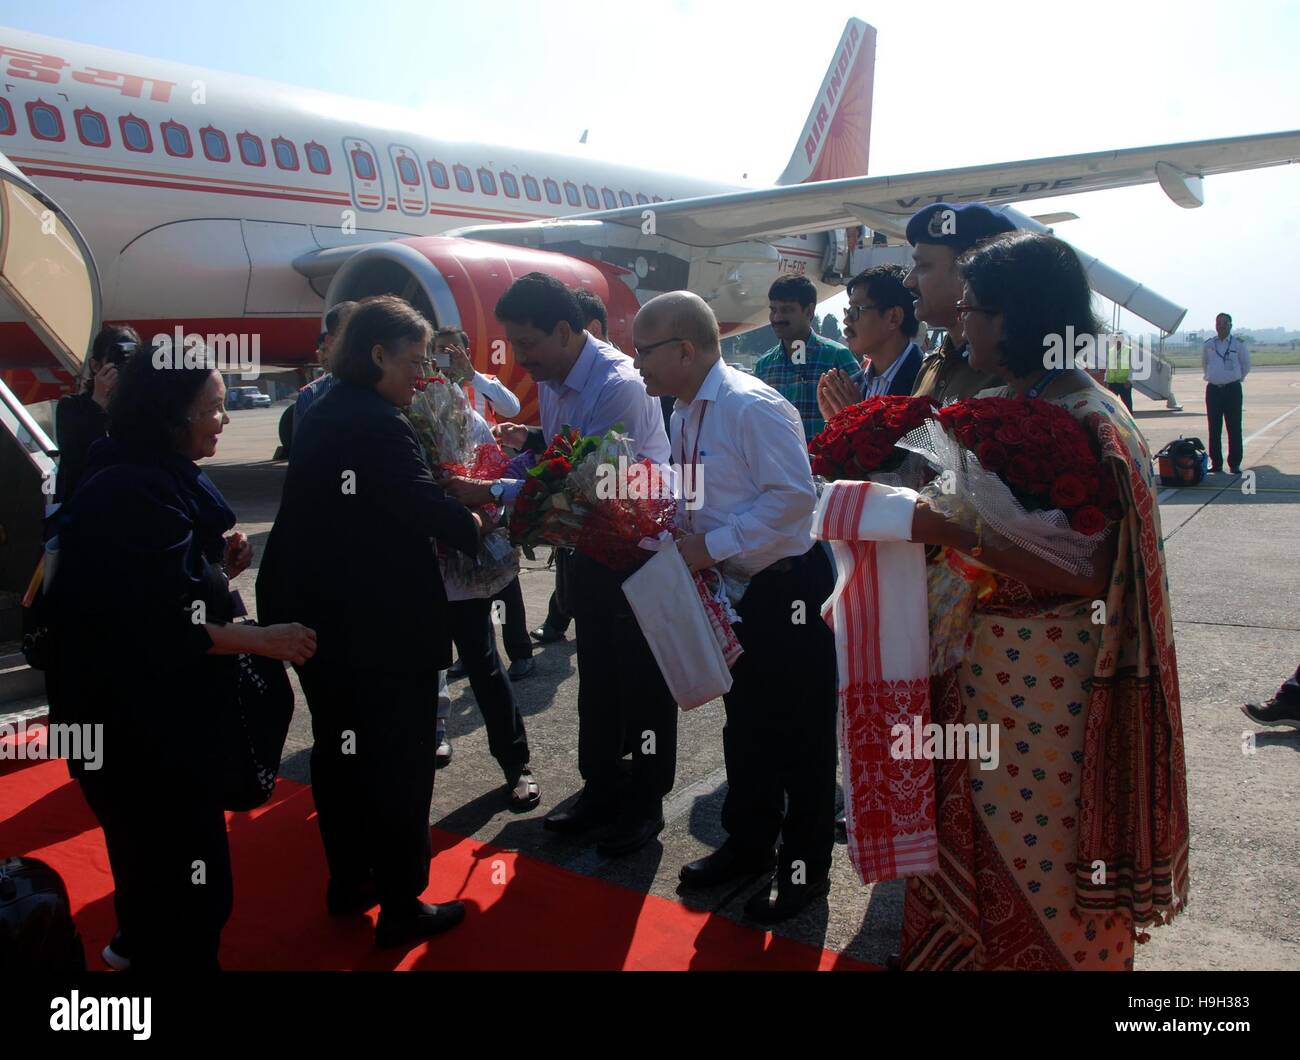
{"x":442,"y":417}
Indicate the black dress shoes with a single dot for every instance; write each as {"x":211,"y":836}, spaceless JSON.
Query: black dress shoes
{"x":545,"y":635}
{"x":729,"y":862}
{"x":426,"y":921}
{"x":583,"y":816}
{"x":344,"y":898}
{"x":791,"y":899}
{"x":520,"y":668}
{"x":456,"y":670}
{"x":630,"y":835}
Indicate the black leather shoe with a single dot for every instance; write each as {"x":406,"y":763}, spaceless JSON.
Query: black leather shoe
{"x":630,"y":835}
{"x":456,"y":671}
{"x":546,"y":635}
{"x":428,"y":921}
{"x":583,"y":816}
{"x":344,"y":898}
{"x":729,"y":862}
{"x":520,"y":668}
{"x":1274,"y":712}
{"x":841,"y":827}
{"x":791,"y":899}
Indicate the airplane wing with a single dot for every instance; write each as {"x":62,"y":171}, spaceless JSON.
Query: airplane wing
{"x":885,"y":203}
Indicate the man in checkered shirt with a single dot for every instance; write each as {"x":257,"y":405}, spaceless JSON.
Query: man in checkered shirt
{"x":794,"y":366}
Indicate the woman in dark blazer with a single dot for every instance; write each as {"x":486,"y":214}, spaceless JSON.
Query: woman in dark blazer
{"x":351,"y":555}
{"x":145,"y":649}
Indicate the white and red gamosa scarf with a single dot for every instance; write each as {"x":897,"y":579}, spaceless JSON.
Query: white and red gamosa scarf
{"x":878,"y":612}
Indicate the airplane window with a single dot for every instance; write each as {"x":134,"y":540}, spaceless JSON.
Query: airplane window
{"x":590,"y":193}
{"x":364,"y":165}
{"x":135,"y":133}
{"x":176,"y":139}
{"x":215,"y":144}
{"x":509,"y":185}
{"x":7,"y":125}
{"x":318,"y":159}
{"x":571,"y":193}
{"x":250,"y":149}
{"x":486,"y":181}
{"x":552,"y":190}
{"x":408,"y":171}
{"x":92,"y":128}
{"x":463,"y":180}
{"x":46,"y":122}
{"x":438,"y":175}
{"x":611,"y":203}
{"x":625,"y":198}
{"x":531,"y":189}
{"x":286,"y":155}
{"x":641,"y":199}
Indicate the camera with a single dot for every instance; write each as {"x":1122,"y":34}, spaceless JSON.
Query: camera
{"x":120,"y":352}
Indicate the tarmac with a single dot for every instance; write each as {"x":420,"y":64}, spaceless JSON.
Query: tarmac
{"x":1234,"y":579}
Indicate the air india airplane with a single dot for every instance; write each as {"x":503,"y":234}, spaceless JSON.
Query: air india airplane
{"x":241,"y":209}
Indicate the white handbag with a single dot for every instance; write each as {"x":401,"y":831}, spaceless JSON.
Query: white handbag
{"x":671,"y":616}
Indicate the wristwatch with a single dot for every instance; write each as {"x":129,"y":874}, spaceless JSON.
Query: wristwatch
{"x":497,"y":490}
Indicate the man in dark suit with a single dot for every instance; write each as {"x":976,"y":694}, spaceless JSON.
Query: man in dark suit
{"x":351,"y":548}
{"x":880,"y":328}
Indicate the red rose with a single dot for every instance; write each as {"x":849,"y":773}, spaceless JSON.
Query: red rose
{"x":992,"y":456}
{"x":1068,"y":491}
{"x":1088,"y":521}
{"x":1009,"y":434}
{"x":1035,"y":432}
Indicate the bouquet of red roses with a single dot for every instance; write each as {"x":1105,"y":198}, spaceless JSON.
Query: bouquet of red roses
{"x":592,"y":494}
{"x":860,"y":440}
{"x":1042,"y":453}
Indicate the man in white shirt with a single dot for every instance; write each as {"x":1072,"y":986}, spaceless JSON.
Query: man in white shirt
{"x":1225,"y":362}
{"x":592,"y":386}
{"x":741,"y":450}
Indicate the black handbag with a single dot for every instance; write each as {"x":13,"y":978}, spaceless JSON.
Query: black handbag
{"x":253,"y":730}
{"x":37,"y":932}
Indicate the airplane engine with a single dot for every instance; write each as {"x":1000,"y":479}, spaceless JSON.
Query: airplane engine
{"x":456,"y":282}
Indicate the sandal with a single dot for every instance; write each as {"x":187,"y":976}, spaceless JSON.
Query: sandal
{"x":525,"y":794}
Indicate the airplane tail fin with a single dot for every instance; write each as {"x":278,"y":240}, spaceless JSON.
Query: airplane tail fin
{"x":836,"y":138}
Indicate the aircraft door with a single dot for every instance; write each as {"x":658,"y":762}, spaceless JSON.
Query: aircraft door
{"x":363,"y":171}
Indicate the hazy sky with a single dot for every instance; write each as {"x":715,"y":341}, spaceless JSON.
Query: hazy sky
{"x":721,"y":89}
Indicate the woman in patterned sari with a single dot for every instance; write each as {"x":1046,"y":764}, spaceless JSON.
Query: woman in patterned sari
{"x":1077,"y":841}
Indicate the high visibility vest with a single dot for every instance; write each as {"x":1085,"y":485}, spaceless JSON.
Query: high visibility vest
{"x":1119,"y":373}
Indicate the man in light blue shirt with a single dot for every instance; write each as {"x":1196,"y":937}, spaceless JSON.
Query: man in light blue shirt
{"x":622,"y":697}
{"x":1225,"y":363}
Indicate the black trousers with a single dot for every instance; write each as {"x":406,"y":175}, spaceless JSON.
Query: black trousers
{"x":372,"y":768}
{"x":779,"y":739}
{"x":519,"y":645}
{"x":167,"y":847}
{"x":623,"y":701}
{"x":557,"y":615}
{"x":476,"y":646}
{"x":1223,"y":405}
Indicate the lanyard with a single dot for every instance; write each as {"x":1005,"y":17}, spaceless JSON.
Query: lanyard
{"x":1225,"y":354}
{"x":695,"y":460}
{"x":1036,"y":391}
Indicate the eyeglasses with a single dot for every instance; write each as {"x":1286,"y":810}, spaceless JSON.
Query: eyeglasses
{"x":641,"y":351}
{"x":964,"y":310}
{"x":852,"y":312}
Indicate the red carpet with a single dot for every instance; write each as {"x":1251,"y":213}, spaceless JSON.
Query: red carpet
{"x":522,"y":913}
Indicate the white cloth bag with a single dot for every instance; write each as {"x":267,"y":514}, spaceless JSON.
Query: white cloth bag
{"x":672,"y":618}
